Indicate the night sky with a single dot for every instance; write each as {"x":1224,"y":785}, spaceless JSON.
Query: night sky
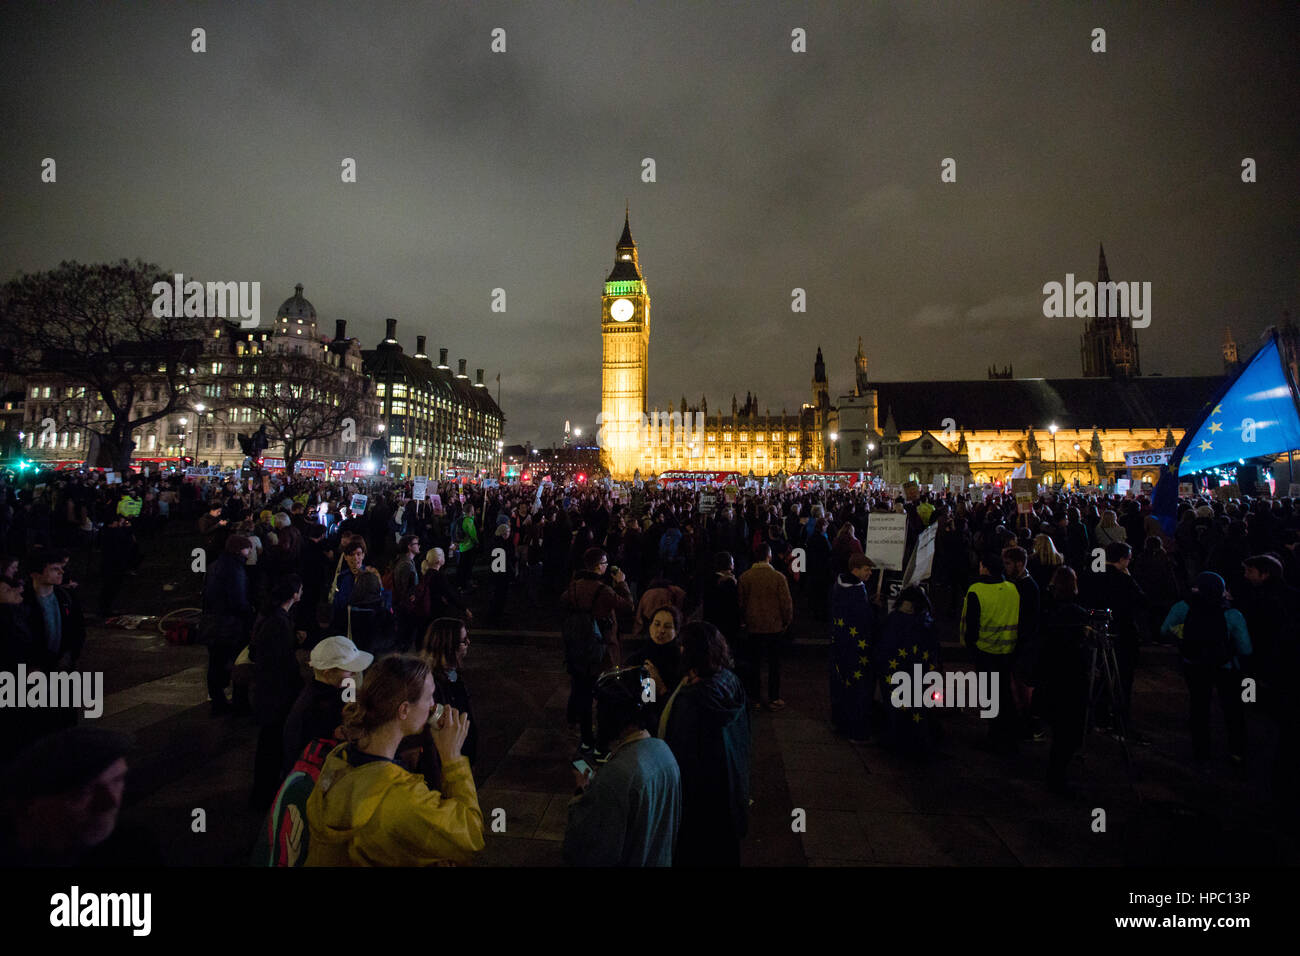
{"x":775,"y":170}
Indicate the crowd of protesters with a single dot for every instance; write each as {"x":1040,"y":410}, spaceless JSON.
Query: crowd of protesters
{"x":352,"y":627}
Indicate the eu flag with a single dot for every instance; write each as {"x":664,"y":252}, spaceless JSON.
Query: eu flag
{"x":1257,"y":413}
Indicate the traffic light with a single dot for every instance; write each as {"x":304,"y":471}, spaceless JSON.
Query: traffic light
{"x":24,"y":464}
{"x":187,"y":461}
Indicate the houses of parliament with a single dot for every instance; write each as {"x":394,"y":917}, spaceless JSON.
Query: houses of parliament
{"x":1071,"y":431}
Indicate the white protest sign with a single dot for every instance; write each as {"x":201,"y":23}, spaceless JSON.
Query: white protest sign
{"x":358,"y":505}
{"x":420,"y":488}
{"x":886,"y":540}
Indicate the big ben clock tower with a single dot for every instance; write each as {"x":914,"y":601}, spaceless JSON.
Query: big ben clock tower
{"x":625,"y":335}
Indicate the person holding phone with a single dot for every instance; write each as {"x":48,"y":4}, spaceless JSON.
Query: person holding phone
{"x":369,"y":810}
{"x":628,"y":813}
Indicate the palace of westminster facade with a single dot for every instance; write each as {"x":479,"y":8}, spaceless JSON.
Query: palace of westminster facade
{"x":1075,"y":431}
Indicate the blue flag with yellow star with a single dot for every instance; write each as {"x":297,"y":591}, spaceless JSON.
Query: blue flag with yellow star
{"x":1257,"y":413}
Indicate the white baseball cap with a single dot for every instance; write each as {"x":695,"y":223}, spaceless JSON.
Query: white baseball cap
{"x":341,"y":653}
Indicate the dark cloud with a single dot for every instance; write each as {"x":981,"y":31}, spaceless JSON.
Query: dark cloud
{"x":775,"y":171}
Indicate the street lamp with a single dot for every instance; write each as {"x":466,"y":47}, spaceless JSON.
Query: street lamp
{"x":1052,"y":428}
{"x":1078,"y":460}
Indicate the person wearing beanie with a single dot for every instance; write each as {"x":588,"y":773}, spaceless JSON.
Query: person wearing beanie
{"x":59,"y":804}
{"x":1212,"y":640}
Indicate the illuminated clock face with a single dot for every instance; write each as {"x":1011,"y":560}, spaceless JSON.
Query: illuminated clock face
{"x":621,"y":310}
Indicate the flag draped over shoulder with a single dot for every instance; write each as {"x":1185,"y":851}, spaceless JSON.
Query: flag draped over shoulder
{"x":1256,"y":413}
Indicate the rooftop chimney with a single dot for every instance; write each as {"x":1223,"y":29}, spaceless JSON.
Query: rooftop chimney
{"x":419,"y":346}
{"x":391,"y":334}
{"x":340,"y":329}
{"x":461,"y":372}
{"x":478,"y":378}
{"x":442,"y":358}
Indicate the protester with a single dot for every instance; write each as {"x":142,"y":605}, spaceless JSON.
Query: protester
{"x":317,"y":714}
{"x":662,"y":659}
{"x":1061,"y":677}
{"x":706,"y":725}
{"x":767,"y":612}
{"x":853,"y":641}
{"x":589,"y":596}
{"x":444,"y":646}
{"x":368,"y":810}
{"x":1213,"y":642}
{"x":628,"y":814}
{"x":277,"y":682}
{"x":989,"y":620}
{"x":59,"y":804}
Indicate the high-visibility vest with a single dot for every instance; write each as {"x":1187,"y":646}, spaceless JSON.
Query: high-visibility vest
{"x":999,"y":616}
{"x":129,"y":506}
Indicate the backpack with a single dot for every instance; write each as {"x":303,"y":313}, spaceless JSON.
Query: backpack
{"x":283,"y":840}
{"x":584,"y":644}
{"x":1205,"y":636}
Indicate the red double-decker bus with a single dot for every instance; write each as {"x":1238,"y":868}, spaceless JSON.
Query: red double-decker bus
{"x":694,"y":478}
{"x":842,"y":479}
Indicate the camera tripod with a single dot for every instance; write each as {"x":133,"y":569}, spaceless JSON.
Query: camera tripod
{"x":1104,"y":682}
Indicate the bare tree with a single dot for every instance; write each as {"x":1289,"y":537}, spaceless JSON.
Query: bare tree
{"x":94,"y":326}
{"x":301,"y":398}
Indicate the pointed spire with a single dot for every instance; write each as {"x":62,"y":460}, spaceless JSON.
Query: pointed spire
{"x":626,"y":238}
{"x":1103,"y":274}
{"x":1169,"y":437}
{"x":891,"y":427}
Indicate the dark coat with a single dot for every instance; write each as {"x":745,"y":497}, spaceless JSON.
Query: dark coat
{"x":587,"y":592}
{"x":37,"y":654}
{"x":277,"y":679}
{"x":708,"y":732}
{"x":722,"y":606}
{"x":227,"y":613}
{"x":317,"y":713}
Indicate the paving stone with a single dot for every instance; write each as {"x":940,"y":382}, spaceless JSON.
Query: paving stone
{"x":835,"y":834}
{"x":524,"y":809}
{"x":935,"y":839}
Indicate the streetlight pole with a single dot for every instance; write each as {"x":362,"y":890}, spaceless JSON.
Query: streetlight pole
{"x":1052,"y":428}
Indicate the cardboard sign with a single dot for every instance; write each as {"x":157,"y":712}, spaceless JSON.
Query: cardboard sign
{"x":708,"y":502}
{"x":730,"y":493}
{"x":912,"y":491}
{"x":436,"y":501}
{"x":266,"y":484}
{"x":1224,"y":492}
{"x":1024,"y":503}
{"x":420,"y":487}
{"x":1185,"y":489}
{"x":922,"y":560}
{"x":886,"y":540}
{"x":358,"y":505}
{"x":112,"y":478}
{"x":1025,"y":484}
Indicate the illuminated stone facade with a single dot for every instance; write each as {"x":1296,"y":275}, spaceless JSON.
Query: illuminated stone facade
{"x":636,"y":439}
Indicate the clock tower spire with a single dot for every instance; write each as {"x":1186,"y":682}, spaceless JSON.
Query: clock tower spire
{"x":625,"y":338}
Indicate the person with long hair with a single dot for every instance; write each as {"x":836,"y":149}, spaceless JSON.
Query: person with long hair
{"x":662,"y":659}
{"x":706,"y":725}
{"x":1213,"y":640}
{"x":1043,"y":561}
{"x":369,"y":810}
{"x":445,"y":645}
